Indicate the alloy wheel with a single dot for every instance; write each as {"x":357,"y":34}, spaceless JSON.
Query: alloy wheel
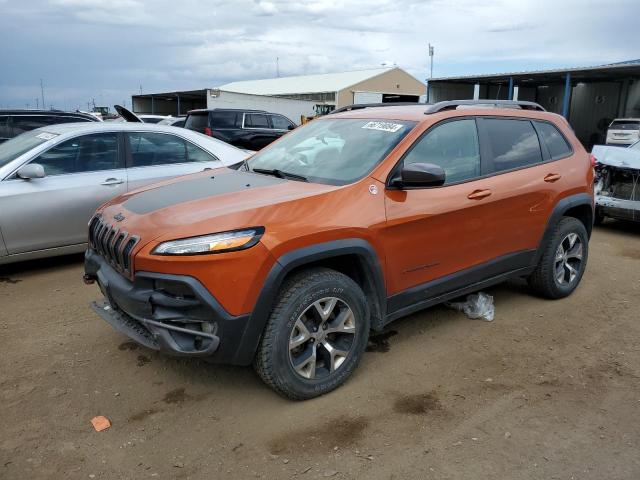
{"x":322,"y":338}
{"x":568,"y":259}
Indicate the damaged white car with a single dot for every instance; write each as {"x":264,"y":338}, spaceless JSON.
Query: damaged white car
{"x":617,"y":188}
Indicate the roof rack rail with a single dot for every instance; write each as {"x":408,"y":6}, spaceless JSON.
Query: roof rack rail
{"x":359,"y":106}
{"x":454,"y":104}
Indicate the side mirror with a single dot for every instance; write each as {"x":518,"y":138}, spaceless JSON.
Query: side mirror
{"x":31,"y":170}
{"x":290,"y":127}
{"x":419,"y":175}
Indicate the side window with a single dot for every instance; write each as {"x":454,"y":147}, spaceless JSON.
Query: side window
{"x":512,"y":143}
{"x":554,"y":140}
{"x":256,"y":120}
{"x":225,"y":119}
{"x":5,"y":128}
{"x":25,"y":123}
{"x":453,"y":146}
{"x":280,"y":123}
{"x":89,"y":153}
{"x":149,"y":149}
{"x":196,"y":154}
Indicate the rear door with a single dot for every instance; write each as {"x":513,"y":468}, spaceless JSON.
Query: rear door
{"x":257,"y":131}
{"x":81,"y":174}
{"x":154,"y":156}
{"x":524,"y":182}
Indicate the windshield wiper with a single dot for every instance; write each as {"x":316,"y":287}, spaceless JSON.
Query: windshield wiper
{"x":280,"y":174}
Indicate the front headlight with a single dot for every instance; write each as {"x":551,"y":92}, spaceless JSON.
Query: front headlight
{"x":215,"y":243}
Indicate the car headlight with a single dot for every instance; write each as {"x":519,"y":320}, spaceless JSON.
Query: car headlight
{"x":214,"y":243}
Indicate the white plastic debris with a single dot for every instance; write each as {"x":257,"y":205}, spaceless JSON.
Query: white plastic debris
{"x":477,"y":305}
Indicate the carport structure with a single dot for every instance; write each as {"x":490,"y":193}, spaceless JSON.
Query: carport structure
{"x":589,"y":97}
{"x":169,"y":103}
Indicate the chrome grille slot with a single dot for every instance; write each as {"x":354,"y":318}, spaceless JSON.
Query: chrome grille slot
{"x":112,"y":244}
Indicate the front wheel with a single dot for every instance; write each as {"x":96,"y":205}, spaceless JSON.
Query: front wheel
{"x":563,"y":260}
{"x":315,"y":336}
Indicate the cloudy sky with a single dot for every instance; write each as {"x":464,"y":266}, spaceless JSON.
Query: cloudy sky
{"x":108,"y":49}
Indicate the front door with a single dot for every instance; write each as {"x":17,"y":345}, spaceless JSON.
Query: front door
{"x":54,"y":211}
{"x":432,"y":233}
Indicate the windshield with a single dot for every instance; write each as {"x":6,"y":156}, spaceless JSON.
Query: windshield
{"x":12,"y":149}
{"x":334,"y":151}
{"x":635,"y":146}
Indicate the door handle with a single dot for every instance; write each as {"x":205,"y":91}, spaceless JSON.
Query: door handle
{"x":479,"y":194}
{"x":112,"y":181}
{"x":552,"y":177}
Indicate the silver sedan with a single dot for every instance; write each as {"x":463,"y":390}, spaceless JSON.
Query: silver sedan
{"x":52,"y":179}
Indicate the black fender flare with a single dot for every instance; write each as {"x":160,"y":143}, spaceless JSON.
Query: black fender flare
{"x":562,"y":207}
{"x":298,"y":258}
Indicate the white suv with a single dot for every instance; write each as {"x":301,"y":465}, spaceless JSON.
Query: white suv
{"x":623,"y":131}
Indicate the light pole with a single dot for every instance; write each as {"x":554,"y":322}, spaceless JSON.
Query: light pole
{"x":431,"y":58}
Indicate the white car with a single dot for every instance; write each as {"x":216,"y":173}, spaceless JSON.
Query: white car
{"x":52,"y":179}
{"x":623,"y":132}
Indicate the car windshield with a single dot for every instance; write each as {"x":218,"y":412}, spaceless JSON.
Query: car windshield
{"x":635,"y":146}
{"x":15,"y":147}
{"x":336,"y":151}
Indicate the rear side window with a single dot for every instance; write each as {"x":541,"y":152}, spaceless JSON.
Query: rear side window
{"x":511,"y":143}
{"x":197,"y":121}
{"x":625,"y":125}
{"x":5,"y":128}
{"x":451,"y":145}
{"x":149,"y":149}
{"x":280,"y":123}
{"x":256,"y":120}
{"x":25,"y":123}
{"x":197,"y":154}
{"x":554,"y":140}
{"x":88,"y":153}
{"x":226,"y":120}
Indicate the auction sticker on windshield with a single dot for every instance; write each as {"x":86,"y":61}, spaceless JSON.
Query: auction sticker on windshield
{"x":383,"y":126}
{"x":46,"y":136}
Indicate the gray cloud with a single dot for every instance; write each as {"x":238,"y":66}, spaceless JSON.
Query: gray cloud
{"x":92,"y":48}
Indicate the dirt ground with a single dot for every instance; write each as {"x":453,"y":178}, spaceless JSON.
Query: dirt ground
{"x":550,"y":389}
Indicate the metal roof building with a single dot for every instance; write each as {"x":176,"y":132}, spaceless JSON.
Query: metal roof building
{"x":327,"y":91}
{"x":339,"y":89}
{"x":589,"y":97}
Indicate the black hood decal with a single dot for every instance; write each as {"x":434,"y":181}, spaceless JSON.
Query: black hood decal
{"x":196,"y":189}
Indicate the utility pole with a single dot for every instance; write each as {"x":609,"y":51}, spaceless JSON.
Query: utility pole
{"x":277,"y":67}
{"x":431,"y":51}
{"x":42,"y":93}
{"x":37,"y":106}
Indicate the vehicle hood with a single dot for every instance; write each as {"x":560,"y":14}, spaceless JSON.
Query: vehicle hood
{"x":617,"y":156}
{"x":208,"y":202}
{"x":128,"y":115}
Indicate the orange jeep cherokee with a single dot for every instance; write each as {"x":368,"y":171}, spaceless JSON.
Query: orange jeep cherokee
{"x":343,"y":225}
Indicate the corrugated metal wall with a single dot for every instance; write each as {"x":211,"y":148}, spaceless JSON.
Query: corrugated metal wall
{"x":593,"y":107}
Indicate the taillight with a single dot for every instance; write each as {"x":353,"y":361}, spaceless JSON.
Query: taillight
{"x":594,"y":160}
{"x":208,"y":131}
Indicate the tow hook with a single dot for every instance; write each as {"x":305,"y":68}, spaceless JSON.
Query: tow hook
{"x":88,"y":279}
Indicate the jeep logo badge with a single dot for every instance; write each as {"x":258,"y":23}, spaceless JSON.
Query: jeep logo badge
{"x":118,"y":217}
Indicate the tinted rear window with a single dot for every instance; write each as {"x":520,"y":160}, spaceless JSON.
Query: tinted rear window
{"x":226,"y":120}
{"x":256,"y":120}
{"x":554,"y":140}
{"x":197,"y":121}
{"x":625,"y":125}
{"x":513,"y":143}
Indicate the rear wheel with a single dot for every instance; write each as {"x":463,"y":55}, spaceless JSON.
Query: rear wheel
{"x":563,"y":260}
{"x":315,"y":336}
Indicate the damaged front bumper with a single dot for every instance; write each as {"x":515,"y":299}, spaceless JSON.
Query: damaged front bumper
{"x":175,"y":314}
